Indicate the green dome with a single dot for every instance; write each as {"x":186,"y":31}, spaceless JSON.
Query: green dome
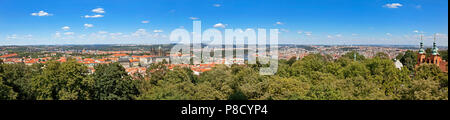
{"x":435,"y":50}
{"x":421,"y":50}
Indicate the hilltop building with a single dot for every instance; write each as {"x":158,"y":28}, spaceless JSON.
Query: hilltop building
{"x":433,"y":58}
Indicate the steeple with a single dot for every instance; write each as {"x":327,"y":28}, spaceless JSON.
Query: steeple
{"x":421,"y":50}
{"x":435,"y":50}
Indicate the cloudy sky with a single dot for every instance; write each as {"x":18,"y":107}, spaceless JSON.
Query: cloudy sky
{"x":393,"y":22}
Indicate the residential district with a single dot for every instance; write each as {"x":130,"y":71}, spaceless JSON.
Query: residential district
{"x":137,"y":60}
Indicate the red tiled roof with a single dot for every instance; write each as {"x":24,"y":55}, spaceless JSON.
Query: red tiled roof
{"x":119,"y":55}
{"x":8,"y":55}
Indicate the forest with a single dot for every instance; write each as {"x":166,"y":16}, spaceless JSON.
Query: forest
{"x":314,"y":77}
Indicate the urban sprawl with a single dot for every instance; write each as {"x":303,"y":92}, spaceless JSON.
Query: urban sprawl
{"x":136,"y":59}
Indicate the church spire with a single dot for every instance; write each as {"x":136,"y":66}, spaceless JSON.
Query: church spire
{"x":435,"y":50}
{"x":421,"y":50}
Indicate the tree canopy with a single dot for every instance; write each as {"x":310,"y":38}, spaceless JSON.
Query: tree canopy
{"x":314,"y":77}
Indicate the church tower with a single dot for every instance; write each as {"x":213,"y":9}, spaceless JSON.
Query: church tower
{"x":434,"y":57}
{"x":421,"y":55}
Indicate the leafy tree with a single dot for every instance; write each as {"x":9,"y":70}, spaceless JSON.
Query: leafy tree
{"x":206,"y":91}
{"x":326,"y":87}
{"x":309,"y":64}
{"x":156,"y":72}
{"x":111,"y":82}
{"x":360,"y":88}
{"x":286,"y":89}
{"x":283,"y":70}
{"x":62,"y":81}
{"x":249,"y":82}
{"x":18,"y":76}
{"x":427,"y":90}
{"x":176,"y":85}
{"x":408,"y":59}
{"x":355,"y":69}
{"x":428,"y":71}
{"x":291,"y":61}
{"x":399,"y":56}
{"x":6,"y":92}
{"x":444,"y":54}
{"x":315,"y":77}
{"x":220,"y":79}
{"x":382,"y":55}
{"x":429,"y":84}
{"x":351,"y":56}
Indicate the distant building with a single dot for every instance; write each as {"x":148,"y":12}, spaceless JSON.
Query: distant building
{"x":125,"y":62}
{"x":161,"y":59}
{"x":134,"y":62}
{"x":145,"y":61}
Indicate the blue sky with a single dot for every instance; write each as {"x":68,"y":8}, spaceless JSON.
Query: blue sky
{"x":333,"y":22}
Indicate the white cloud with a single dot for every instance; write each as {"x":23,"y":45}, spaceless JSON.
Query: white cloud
{"x":19,"y":37}
{"x":41,"y":13}
{"x":393,"y":5}
{"x":93,"y":16}
{"x":115,"y":34}
{"x":308,"y":33}
{"x":102,"y":32}
{"x":98,"y":10}
{"x":388,"y":34}
{"x":416,"y":31}
{"x":300,"y":32}
{"x":194,"y":18}
{"x":329,"y":36}
{"x":145,"y":22}
{"x":28,"y":36}
{"x":334,"y":36}
{"x":279,"y":23}
{"x":217,"y":5}
{"x":88,"y":25}
{"x":354,"y":34}
{"x":9,"y":37}
{"x":219,"y":25}
{"x":83,"y":36}
{"x":65,"y":28}
{"x":140,"y":32}
{"x":57,"y":35}
{"x":69,"y":33}
{"x":158,"y":31}
{"x":284,"y":30}
{"x":441,"y":36}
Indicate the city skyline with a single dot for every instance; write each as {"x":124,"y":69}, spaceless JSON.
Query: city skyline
{"x":328,"y":22}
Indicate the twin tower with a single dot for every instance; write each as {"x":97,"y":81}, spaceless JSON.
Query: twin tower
{"x":433,"y":58}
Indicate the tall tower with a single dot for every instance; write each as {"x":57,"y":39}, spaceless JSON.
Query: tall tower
{"x":435,"y":57}
{"x":435,"y":50}
{"x":422,"y":55}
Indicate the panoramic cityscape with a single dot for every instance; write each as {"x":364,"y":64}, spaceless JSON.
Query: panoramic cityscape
{"x":224,"y":50}
{"x":137,"y":58}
